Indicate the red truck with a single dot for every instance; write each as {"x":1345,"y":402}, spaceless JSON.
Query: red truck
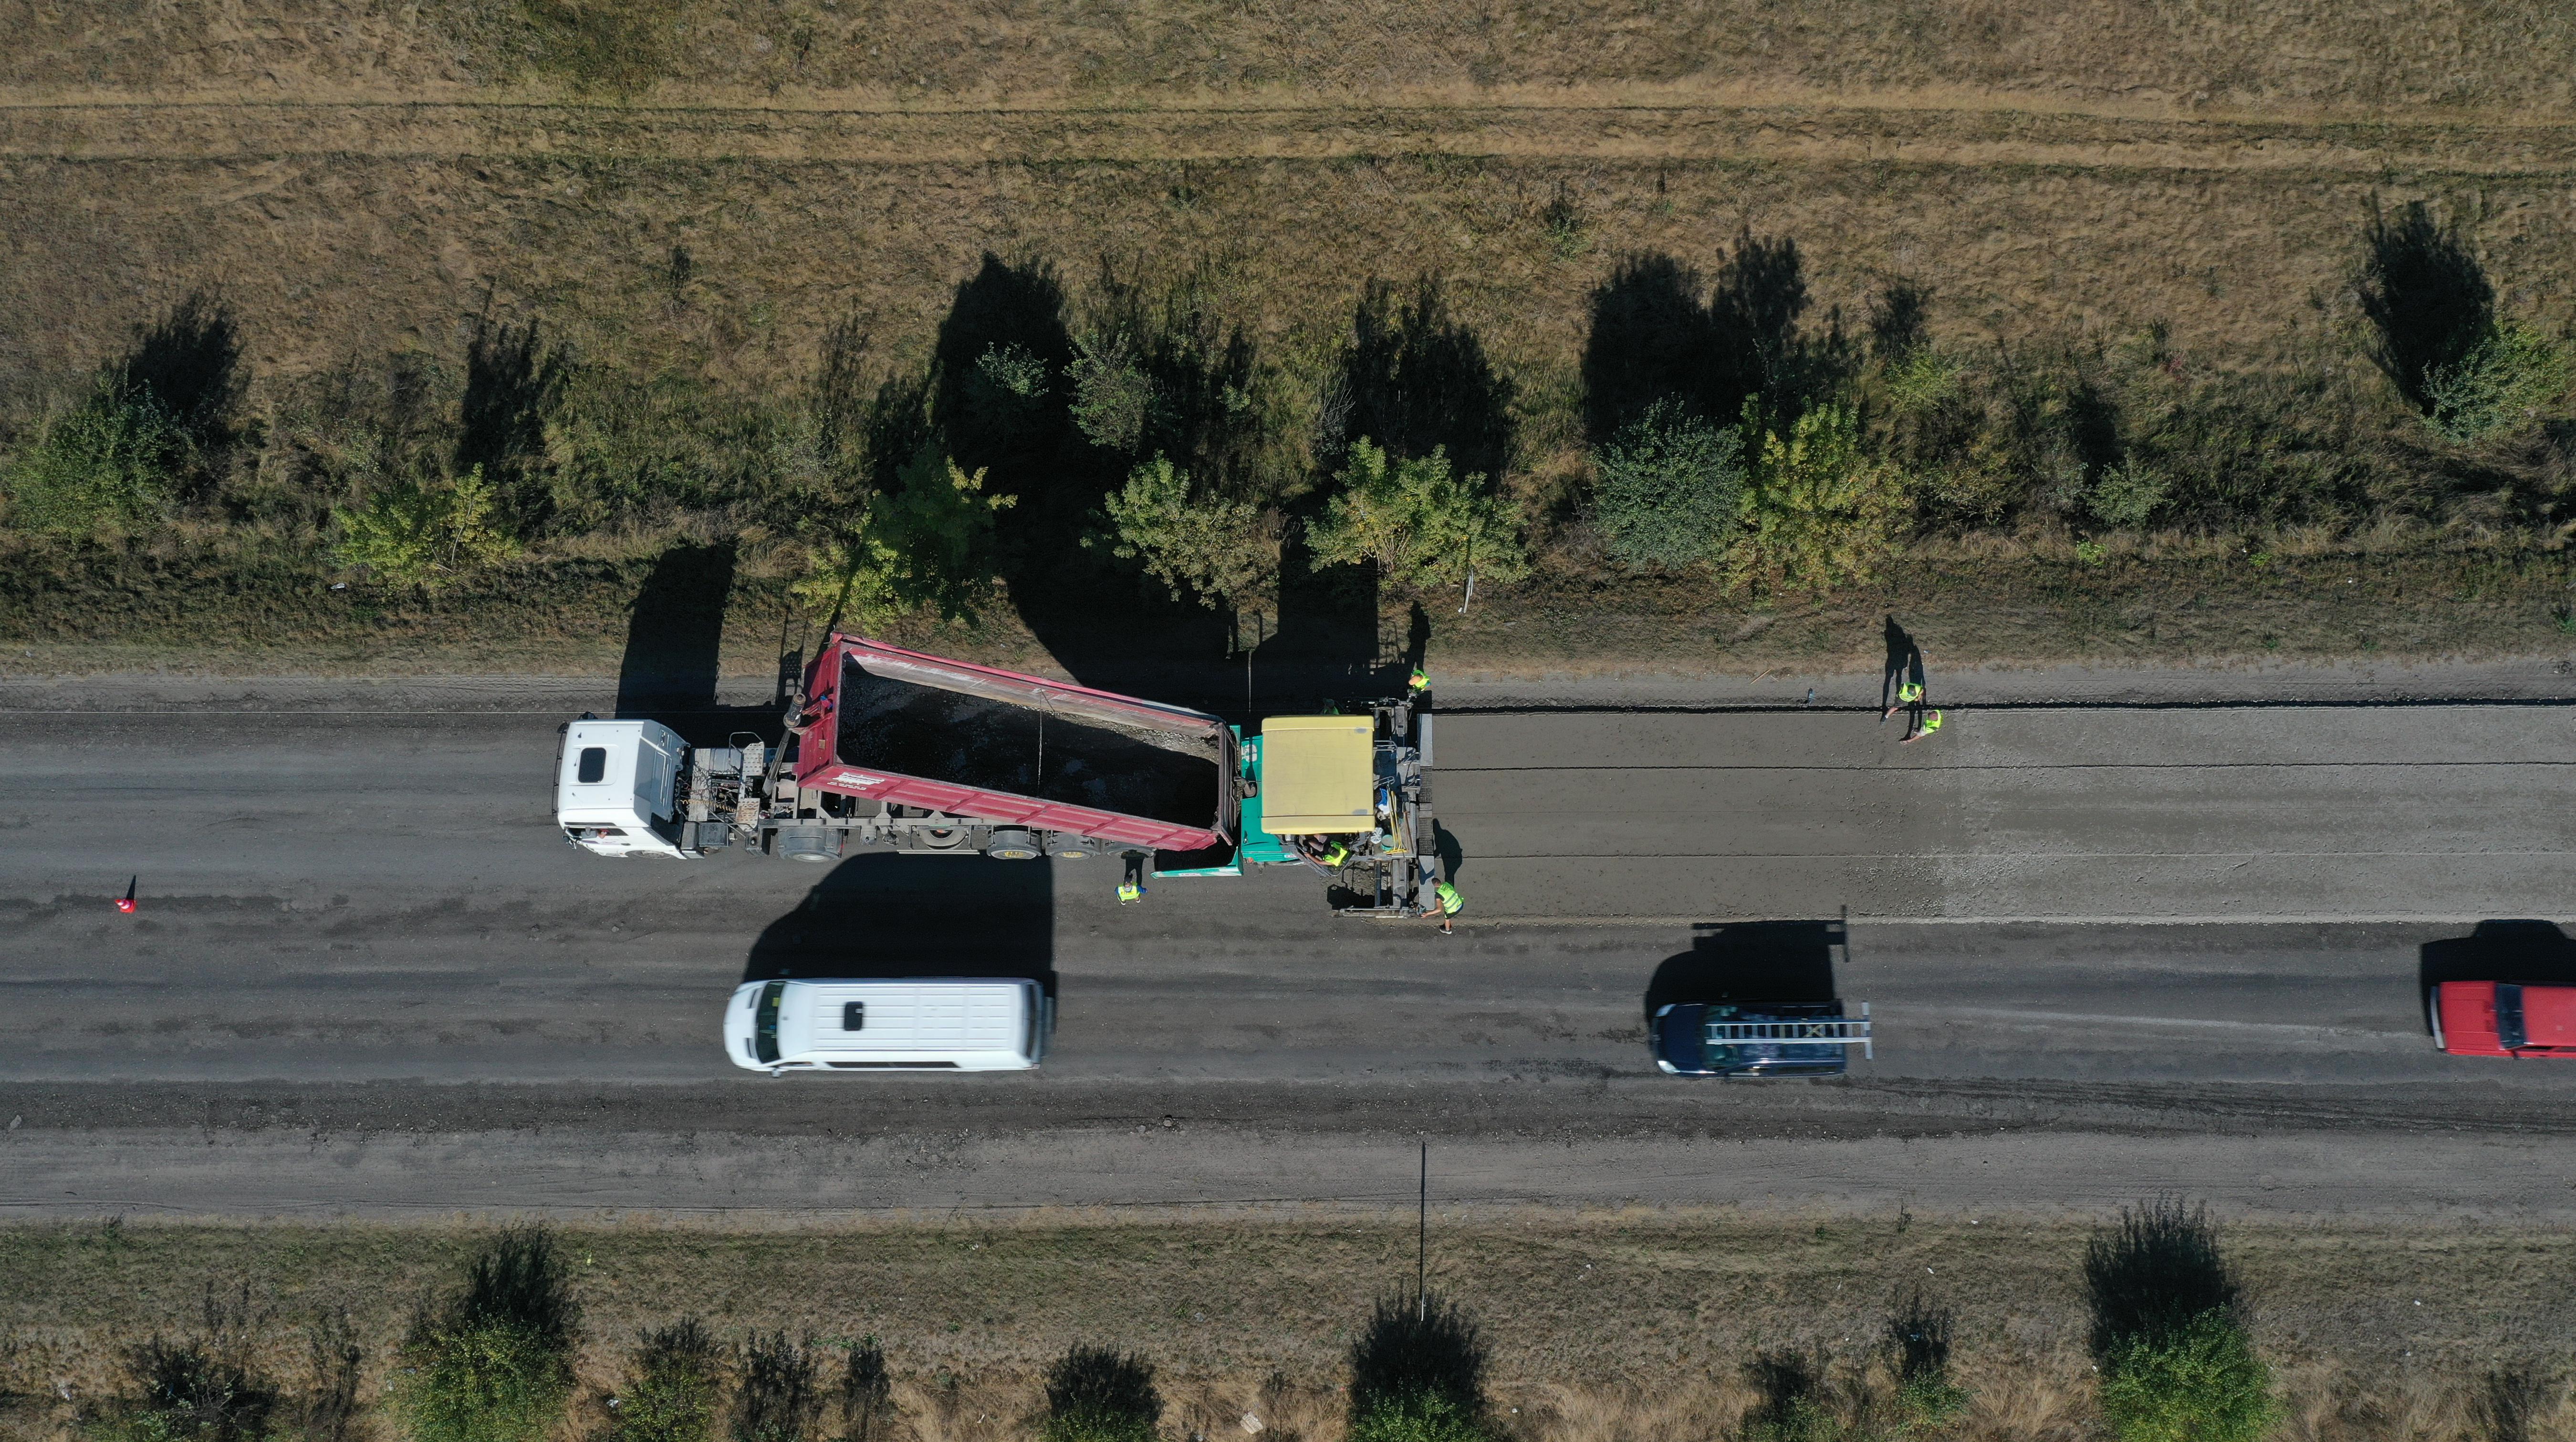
{"x":891,"y":748}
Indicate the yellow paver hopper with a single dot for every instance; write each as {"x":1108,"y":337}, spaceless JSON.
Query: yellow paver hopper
{"x":1318,"y":775}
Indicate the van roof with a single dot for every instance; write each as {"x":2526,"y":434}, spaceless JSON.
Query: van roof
{"x":902,"y":1020}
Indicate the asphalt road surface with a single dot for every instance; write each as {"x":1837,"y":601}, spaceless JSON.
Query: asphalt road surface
{"x":2108,"y":950}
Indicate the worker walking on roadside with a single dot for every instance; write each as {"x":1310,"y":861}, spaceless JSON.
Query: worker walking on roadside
{"x":1930,"y":723}
{"x":1416,"y":684}
{"x":1131,"y":887}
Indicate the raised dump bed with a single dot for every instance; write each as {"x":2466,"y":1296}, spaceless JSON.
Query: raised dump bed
{"x":974,"y":741}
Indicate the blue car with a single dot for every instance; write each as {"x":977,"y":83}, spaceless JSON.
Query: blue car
{"x":1758,"y":1038}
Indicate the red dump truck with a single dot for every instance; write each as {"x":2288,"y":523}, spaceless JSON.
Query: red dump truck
{"x":893,"y":749}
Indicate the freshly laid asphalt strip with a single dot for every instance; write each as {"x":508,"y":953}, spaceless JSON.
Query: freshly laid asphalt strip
{"x":2106,"y":950}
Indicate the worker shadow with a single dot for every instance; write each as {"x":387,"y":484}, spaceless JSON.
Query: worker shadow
{"x":882,"y":916}
{"x":2502,"y":949}
{"x":1741,"y":961}
{"x":1904,"y":663}
{"x":675,"y":652}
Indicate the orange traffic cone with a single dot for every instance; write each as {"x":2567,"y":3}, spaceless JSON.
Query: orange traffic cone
{"x":125,"y":903}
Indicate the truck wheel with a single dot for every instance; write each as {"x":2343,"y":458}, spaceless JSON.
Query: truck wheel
{"x":810,"y":843}
{"x":1071,"y":848}
{"x":1011,"y":843}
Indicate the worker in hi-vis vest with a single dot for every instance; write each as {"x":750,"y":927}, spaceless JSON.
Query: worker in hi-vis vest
{"x":1931,"y":723}
{"x":1446,"y":905}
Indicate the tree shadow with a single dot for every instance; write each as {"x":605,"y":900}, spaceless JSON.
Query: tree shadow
{"x":190,"y":362}
{"x":2425,"y":295}
{"x":1656,"y":335}
{"x":883,"y":915}
{"x":1746,"y":961}
{"x":2525,"y":951}
{"x":1900,"y":319}
{"x":513,"y":382}
{"x":1789,"y":1392}
{"x":1414,"y":378}
{"x":998,"y":388}
{"x":1325,"y":646}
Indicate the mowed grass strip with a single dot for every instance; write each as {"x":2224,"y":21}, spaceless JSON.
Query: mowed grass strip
{"x":1607,"y":1321}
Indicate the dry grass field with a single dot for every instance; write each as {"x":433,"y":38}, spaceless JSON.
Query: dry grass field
{"x":1609,"y":1328}
{"x":695,"y":199}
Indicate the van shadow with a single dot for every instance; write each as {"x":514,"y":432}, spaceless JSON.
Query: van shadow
{"x":2524,"y":951}
{"x":675,"y":649}
{"x":882,"y":916}
{"x":1742,"y":961}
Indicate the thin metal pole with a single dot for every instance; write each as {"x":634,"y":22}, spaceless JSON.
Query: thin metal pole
{"x":1422,"y":1242}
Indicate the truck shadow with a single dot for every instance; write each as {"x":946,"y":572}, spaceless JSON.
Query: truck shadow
{"x":2532,"y":952}
{"x":675,"y":646}
{"x":882,"y":916}
{"x":1742,"y":961}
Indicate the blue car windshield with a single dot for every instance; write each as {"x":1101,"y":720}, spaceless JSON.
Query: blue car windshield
{"x":1678,"y":1038}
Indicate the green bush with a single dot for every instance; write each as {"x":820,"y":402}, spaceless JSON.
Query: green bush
{"x":190,"y":1392}
{"x":1417,"y":1419}
{"x":1420,"y":525}
{"x":2512,"y":376}
{"x":672,"y":1388}
{"x":2125,"y":495}
{"x":493,"y":1363}
{"x":481,"y":1382}
{"x":1918,"y":1340}
{"x":867,"y":1390}
{"x":2202,"y":1383}
{"x":1823,"y":513}
{"x":779,"y":1399}
{"x":1421,"y":1358}
{"x":1095,"y":1394}
{"x":1669,"y":489}
{"x":1223,"y":552}
{"x":926,"y":546}
{"x":1113,"y":398}
{"x":426,"y":533}
{"x":110,"y":464}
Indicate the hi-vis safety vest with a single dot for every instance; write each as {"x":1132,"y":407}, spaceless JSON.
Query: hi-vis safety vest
{"x":1336,"y":854}
{"x":1130,"y":891}
{"x":1450,"y":900}
{"x":1931,"y":722}
{"x":1909,"y":693}
{"x":1419,"y":681}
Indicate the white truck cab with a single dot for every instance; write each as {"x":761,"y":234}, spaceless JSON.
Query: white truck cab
{"x":617,"y":787}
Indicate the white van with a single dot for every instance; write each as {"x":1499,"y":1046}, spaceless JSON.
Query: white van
{"x":911,"y":1024}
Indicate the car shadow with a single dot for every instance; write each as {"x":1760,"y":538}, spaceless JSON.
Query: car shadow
{"x":1742,"y":961}
{"x":883,"y":916}
{"x":2501,"y":949}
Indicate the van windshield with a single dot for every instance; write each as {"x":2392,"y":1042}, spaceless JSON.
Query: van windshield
{"x":764,"y":1023}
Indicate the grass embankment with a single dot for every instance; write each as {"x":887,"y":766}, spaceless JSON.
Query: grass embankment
{"x":689,"y":270}
{"x":1598,"y":1327}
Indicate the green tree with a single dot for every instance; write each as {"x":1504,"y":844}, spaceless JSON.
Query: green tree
{"x":493,"y":1364}
{"x":1418,"y":1373}
{"x":1221,"y":551}
{"x":2202,"y":1383}
{"x":926,"y":546}
{"x":1422,"y":526}
{"x":2169,"y":1331}
{"x":1670,"y":489}
{"x":108,"y":465}
{"x":426,"y":533}
{"x":1823,"y":512}
{"x":1113,"y":398}
{"x":2506,"y":381}
{"x":1096,"y":1394}
{"x":673,"y":1385}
